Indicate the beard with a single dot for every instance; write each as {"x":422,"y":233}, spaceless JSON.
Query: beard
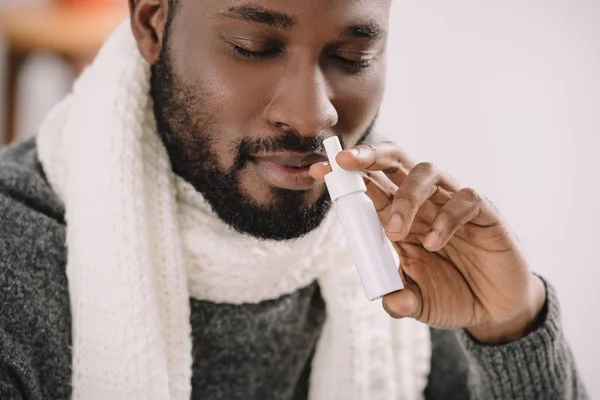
{"x":188,"y":133}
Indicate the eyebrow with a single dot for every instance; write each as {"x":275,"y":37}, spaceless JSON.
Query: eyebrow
{"x":258,"y":14}
{"x":369,"y":30}
{"x":261,"y":15}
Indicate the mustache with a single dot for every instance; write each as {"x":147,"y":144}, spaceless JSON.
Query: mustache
{"x":246,"y":147}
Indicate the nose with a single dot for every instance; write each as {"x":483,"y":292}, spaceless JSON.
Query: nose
{"x":302,"y":103}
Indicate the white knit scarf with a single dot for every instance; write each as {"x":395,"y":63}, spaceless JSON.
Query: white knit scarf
{"x":141,"y":242}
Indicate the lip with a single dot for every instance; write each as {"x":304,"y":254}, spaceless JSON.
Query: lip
{"x":287,"y":170}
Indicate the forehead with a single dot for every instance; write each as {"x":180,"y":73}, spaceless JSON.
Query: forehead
{"x":293,"y":14}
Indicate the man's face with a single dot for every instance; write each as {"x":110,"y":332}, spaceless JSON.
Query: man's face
{"x":245,"y":93}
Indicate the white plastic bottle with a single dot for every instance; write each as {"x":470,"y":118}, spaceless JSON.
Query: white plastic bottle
{"x":370,"y":248}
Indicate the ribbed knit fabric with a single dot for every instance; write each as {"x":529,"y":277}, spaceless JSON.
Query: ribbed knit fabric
{"x":540,"y":356}
{"x":140,"y":241}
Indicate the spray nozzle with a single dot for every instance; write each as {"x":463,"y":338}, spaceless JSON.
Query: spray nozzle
{"x":333,"y":147}
{"x":340,"y":182}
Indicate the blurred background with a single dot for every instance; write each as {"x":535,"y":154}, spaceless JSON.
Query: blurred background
{"x":502,"y":94}
{"x":44,"y":45}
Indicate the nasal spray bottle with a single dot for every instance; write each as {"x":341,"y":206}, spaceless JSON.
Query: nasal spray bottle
{"x":370,"y":248}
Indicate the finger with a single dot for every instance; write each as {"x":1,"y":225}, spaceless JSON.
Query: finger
{"x":379,"y":188}
{"x":405,"y":303}
{"x":381,"y":192}
{"x":387,"y":157}
{"x":460,"y":209}
{"x":489,"y":214}
{"x":319,"y":170}
{"x":418,"y":187}
{"x":465,"y":207}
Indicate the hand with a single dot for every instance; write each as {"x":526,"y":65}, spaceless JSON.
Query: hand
{"x":462,"y":266}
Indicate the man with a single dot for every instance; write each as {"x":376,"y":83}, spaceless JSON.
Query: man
{"x":188,"y":162}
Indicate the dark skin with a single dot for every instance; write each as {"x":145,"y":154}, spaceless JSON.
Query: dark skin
{"x":309,"y":90}
{"x":324,"y":75}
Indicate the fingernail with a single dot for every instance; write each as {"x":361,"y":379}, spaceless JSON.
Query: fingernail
{"x":388,"y":310}
{"x":406,"y":305}
{"x":396,"y":224}
{"x":354,"y":152}
{"x":432,"y":240}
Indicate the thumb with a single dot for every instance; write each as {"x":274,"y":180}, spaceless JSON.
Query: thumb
{"x":406,"y":303}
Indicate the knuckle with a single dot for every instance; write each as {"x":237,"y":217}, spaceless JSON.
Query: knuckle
{"x":489,"y":205}
{"x":396,"y":151}
{"x":405,"y":201}
{"x":471,"y":195}
{"x":426,"y":168}
{"x":397,"y":154}
{"x":369,"y":146}
{"x":393,"y":148}
{"x":390,"y":150}
{"x":366,"y":148}
{"x":445,"y":220}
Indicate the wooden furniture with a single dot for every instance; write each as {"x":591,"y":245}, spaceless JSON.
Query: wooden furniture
{"x":73,"y":33}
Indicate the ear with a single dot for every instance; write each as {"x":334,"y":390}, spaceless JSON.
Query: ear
{"x":148,"y":20}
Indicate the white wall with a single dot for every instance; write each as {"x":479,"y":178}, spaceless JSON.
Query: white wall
{"x":505,"y":96}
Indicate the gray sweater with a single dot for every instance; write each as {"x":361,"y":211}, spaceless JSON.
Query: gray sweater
{"x":253,"y":351}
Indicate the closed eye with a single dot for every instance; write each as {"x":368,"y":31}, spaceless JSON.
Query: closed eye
{"x":256,"y":54}
{"x":358,"y":64}
{"x":276,"y":51}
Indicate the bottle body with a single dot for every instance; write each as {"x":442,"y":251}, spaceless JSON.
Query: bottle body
{"x":368,"y":245}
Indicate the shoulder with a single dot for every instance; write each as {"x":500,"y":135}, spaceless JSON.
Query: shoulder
{"x":34,"y":300}
{"x":22,"y":181}
{"x":32,"y":229}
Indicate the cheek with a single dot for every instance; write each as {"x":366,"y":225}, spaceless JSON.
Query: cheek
{"x":208,"y":64}
{"x":358,"y":102}
{"x":222,"y":111}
